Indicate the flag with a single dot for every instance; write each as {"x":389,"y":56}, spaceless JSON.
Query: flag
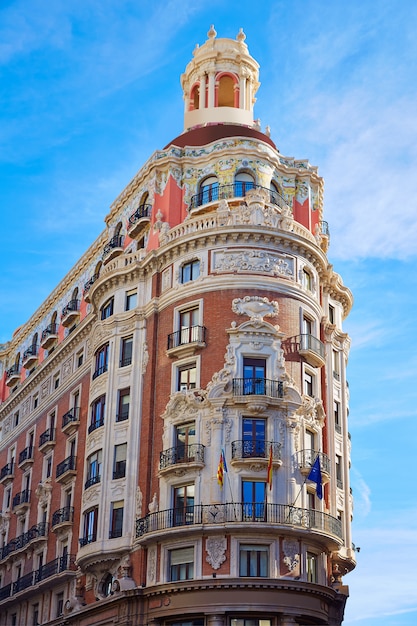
{"x":269,"y":470}
{"x":221,"y":469}
{"x":224,"y":461}
{"x":315,"y":476}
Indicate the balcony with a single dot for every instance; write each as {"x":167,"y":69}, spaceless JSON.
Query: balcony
{"x":185,"y":341}
{"x":307,"y":346}
{"x":62,"y":518}
{"x":57,"y":566}
{"x":139,"y":220}
{"x":257,"y":392}
{"x":84,"y":541}
{"x":7,"y":473}
{"x":113,"y":248}
{"x":247,"y":452}
{"x":93,"y":480}
{"x":191,"y":456}
{"x":306,"y":459}
{"x":96,"y":424}
{"x":71,"y":420}
{"x":66,"y":469}
{"x":13,"y":375}
{"x":87,"y":286}
{"x":30,"y":357}
{"x":234,"y":190}
{"x":100,"y":370}
{"x":36,"y":534}
{"x":70,"y":313}
{"x":21,"y":501}
{"x":49,"y":336}
{"x":47,"y":440}
{"x":243,"y":513}
{"x":22,"y":583}
{"x":26,"y":457}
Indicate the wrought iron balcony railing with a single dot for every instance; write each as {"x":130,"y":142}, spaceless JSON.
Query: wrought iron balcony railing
{"x":23,"y":497}
{"x":5,"y":591}
{"x":73,"y":306}
{"x":66,"y":465}
{"x":26,"y":454}
{"x":144,"y":210}
{"x":192,"y":453}
{"x":13,"y":371}
{"x":47,"y":437}
{"x":66,"y":514}
{"x":258,"y":387}
{"x":90,"y":282}
{"x":73,"y":415}
{"x":30,"y":352}
{"x":233,"y":190}
{"x":324,"y":228}
{"x":115,"y":242}
{"x":52,"y":329}
{"x":58,"y":565}
{"x":307,"y":458}
{"x":7,"y":470}
{"x":22,"y":583}
{"x":95,"y":424}
{"x":99,"y":371}
{"x":192,"y":334}
{"x":255,"y":449}
{"x":38,"y":530}
{"x":240,"y":512}
{"x":84,"y":541}
{"x":93,"y":480}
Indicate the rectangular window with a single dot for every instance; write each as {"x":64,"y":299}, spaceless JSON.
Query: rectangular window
{"x":184,"y":505}
{"x":336,"y":365}
{"x":101,"y":360}
{"x":119,"y":464}
{"x":107,"y":309}
{"x":339,"y":476}
{"x":131,"y":300}
{"x":189,"y":327}
{"x":184,"y":440}
{"x":90,"y":526}
{"x":116,"y":523}
{"x":181,"y":564}
{"x":307,"y":280}
{"x":123,"y":405}
{"x":93,"y":469}
{"x":80,"y":358}
{"x":253,"y":560}
{"x":311,"y":565}
{"x":337,"y":423}
{"x":190,"y":271}
{"x":126,"y":351}
{"x":97,"y":413}
{"x":48,"y":466}
{"x":35,"y":614}
{"x":331,"y":314}
{"x":254,"y":376}
{"x":56,"y":381}
{"x":253,"y":437}
{"x":308,"y":384}
{"x":187,"y":377}
{"x":59,"y":603}
{"x":307,"y":326}
{"x":253,"y":500}
{"x":16,"y":419}
{"x":35,"y":401}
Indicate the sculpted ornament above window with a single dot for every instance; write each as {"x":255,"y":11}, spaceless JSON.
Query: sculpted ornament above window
{"x":255,"y":307}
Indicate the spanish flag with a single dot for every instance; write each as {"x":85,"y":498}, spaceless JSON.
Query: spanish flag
{"x":269,"y":470}
{"x":221,"y":469}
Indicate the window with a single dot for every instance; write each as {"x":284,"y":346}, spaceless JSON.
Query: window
{"x":243,"y":182}
{"x":116,"y":523}
{"x":226,"y":91}
{"x":254,"y":376}
{"x":209,"y":190}
{"x":253,"y":560}
{"x":181,"y":564}
{"x":7,"y":497}
{"x":101,"y":360}
{"x":339,"y":476}
{"x":307,"y":326}
{"x":311,"y":501}
{"x":189,"y":326}
{"x":190,"y":271}
{"x":56,"y":381}
{"x":119,"y":464}
{"x":47,"y":465}
{"x":331,"y":314}
{"x":90,"y":526}
{"x":131,"y":300}
{"x":311,"y":567}
{"x":80,"y":358}
{"x":123,"y":405}
{"x":126,"y":351}
{"x":107,"y":585}
{"x":184,"y":438}
{"x":336,"y":365}
{"x":16,"y":419}
{"x":35,"y":401}
{"x":187,"y":377}
{"x":184,"y":505}
{"x":310,"y":442}
{"x":93,"y":469}
{"x":337,"y":422}
{"x":107,"y":309}
{"x":308,"y":384}
{"x":253,"y":437}
{"x":253,"y":499}
{"x":35,"y":614}
{"x":97,"y":413}
{"x":307,"y":280}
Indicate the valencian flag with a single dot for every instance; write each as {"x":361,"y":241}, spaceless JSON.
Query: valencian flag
{"x":221,"y":469}
{"x":315,"y":476}
{"x":269,"y":470}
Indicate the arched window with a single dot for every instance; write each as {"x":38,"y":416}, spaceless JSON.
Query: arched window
{"x":54,"y":317}
{"x":243,"y":182}
{"x":144,"y":199}
{"x":276,"y":192}
{"x":35,"y":340}
{"x":75,"y":294}
{"x":118,"y":229}
{"x":106,"y":585}
{"x":209,"y":190}
{"x":226,"y":91}
{"x":195,"y":97}
{"x":98,"y":269}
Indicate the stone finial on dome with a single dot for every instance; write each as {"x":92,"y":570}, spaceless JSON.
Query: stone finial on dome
{"x":241,"y":36}
{"x":212,"y":32}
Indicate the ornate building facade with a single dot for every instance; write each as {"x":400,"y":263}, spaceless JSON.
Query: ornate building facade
{"x":171,"y":413}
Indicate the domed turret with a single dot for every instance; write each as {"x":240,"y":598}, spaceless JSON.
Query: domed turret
{"x":220,"y":83}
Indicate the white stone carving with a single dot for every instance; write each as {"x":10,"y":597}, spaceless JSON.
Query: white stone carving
{"x":67,"y":368}
{"x":216,"y":548}
{"x":152,"y":565}
{"x":253,"y":261}
{"x":255,"y":307}
{"x":291,"y":553}
{"x":139,"y":499}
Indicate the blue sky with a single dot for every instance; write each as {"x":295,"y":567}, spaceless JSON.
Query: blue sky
{"x":90,"y":88}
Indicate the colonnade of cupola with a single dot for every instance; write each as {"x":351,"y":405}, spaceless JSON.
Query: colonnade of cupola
{"x":220,"y":83}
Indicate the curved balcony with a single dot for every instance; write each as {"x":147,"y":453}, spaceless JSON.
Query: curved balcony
{"x":84,"y":541}
{"x":237,"y":189}
{"x":26,"y":457}
{"x":242,"y":513}
{"x":191,"y":456}
{"x":62,"y":518}
{"x":99,"y":371}
{"x":47,"y":440}
{"x":247,"y":452}
{"x":13,"y":375}
{"x":30,"y":357}
{"x":139,"y":220}
{"x":307,"y":346}
{"x":186,"y":340}
{"x":21,"y":501}
{"x":306,"y":459}
{"x":87,"y":286}
{"x":49,"y":336}
{"x":38,"y":533}
{"x":96,"y":424}
{"x":93,"y":480}
{"x":7,"y":473}
{"x":113,"y":248}
{"x":70,"y":313}
{"x":71,"y":420}
{"x":66,"y":469}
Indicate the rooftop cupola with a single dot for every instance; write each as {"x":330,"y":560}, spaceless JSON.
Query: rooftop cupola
{"x":220,"y":83}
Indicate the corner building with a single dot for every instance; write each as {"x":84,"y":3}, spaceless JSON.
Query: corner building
{"x":163,"y":409}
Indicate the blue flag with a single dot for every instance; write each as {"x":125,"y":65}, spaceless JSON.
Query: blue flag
{"x":315,"y":476}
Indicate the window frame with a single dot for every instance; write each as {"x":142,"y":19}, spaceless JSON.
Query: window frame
{"x":107,"y":309}
{"x":125,"y":361}
{"x":122,"y":414}
{"x":116,"y":519}
{"x":131,"y":295}
{"x":101,"y":360}
{"x":190,"y":271}
{"x":262,"y":568}
{"x":189,"y":564}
